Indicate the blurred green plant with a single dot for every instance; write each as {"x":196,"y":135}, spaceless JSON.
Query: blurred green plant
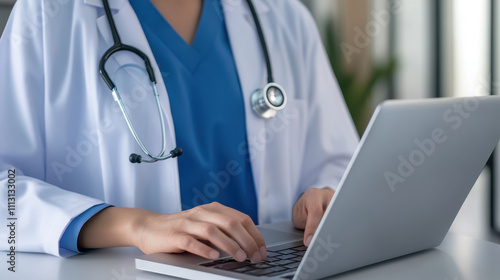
{"x":357,"y":94}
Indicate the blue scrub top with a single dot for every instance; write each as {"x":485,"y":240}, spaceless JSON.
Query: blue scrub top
{"x":207,"y":108}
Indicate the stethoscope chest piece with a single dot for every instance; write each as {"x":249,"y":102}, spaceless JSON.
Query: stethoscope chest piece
{"x":268,"y":101}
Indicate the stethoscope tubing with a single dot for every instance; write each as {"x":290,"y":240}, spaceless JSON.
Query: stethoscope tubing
{"x":160,"y":156}
{"x":122,"y":47}
{"x":265,"y":111}
{"x":263,"y":43}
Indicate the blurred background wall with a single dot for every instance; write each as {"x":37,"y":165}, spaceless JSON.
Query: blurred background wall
{"x":387,"y":49}
{"x":5,"y":7}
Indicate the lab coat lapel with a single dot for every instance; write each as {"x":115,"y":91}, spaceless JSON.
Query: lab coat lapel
{"x":131,"y":33}
{"x":250,"y":64}
{"x":126,"y":20}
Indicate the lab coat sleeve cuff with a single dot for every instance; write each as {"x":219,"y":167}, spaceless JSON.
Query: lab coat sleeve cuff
{"x":69,"y":239}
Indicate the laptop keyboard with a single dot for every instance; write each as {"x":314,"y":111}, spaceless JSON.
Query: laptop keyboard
{"x":281,"y":259}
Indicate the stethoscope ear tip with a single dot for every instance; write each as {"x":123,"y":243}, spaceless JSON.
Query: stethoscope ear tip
{"x":135,"y":158}
{"x":176,"y":152}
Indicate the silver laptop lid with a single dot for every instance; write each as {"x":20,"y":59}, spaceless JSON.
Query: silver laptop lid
{"x":413,"y":169}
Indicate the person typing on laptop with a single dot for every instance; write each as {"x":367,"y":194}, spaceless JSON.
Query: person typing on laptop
{"x":185,"y":231}
{"x":238,"y":169}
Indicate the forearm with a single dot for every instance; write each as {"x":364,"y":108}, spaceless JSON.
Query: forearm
{"x":113,"y":227}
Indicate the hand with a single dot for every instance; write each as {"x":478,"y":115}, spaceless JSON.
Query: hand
{"x":224,"y":227}
{"x":213,"y":222}
{"x":309,"y":210}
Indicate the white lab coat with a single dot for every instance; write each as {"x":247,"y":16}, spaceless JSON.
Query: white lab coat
{"x":63,"y":134}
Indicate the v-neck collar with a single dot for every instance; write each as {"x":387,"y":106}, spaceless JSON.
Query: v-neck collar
{"x":208,"y":27}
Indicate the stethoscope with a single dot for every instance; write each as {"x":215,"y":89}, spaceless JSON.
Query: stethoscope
{"x":265,"y":102}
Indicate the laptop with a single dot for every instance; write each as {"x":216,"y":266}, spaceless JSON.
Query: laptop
{"x":413,"y":169}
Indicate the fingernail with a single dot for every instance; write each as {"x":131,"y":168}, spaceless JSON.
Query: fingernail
{"x":256,"y":258}
{"x":263,"y":252}
{"x":240,"y":256}
{"x":214,"y":254}
{"x":308,"y":240}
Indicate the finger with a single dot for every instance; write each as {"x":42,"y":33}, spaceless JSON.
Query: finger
{"x":251,"y":228}
{"x":257,"y":236}
{"x":234,"y":224}
{"x":212,"y":233}
{"x":328,"y":197}
{"x":299,"y":216}
{"x":232,"y":227}
{"x":314,"y":215}
{"x":188,"y":243}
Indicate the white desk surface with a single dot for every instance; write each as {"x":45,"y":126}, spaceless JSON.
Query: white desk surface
{"x":458,"y":257}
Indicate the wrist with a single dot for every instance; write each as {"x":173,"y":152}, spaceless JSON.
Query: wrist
{"x":137,"y":224}
{"x":113,"y":227}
